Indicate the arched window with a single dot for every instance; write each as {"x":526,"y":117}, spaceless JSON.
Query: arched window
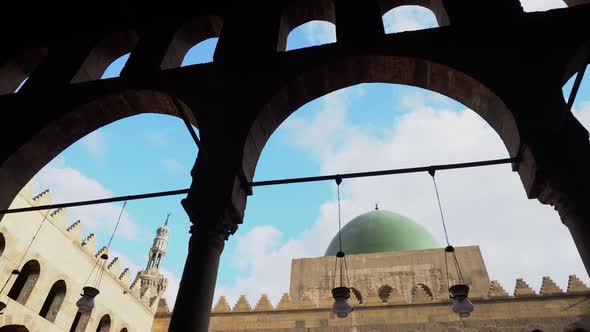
{"x":24,"y":283}
{"x":384,"y":293}
{"x":105,"y":324}
{"x":14,"y":328}
{"x":80,"y":322}
{"x":114,"y":69}
{"x":124,"y":329}
{"x":53,"y":302}
{"x":312,"y":33}
{"x":2,"y":244}
{"x":409,"y":18}
{"x":201,"y":53}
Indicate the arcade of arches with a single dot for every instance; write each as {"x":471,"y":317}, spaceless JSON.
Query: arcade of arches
{"x":512,"y":78}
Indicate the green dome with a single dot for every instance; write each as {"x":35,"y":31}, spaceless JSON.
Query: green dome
{"x":381,"y":231}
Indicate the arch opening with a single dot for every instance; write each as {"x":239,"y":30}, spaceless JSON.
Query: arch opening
{"x":306,"y":23}
{"x":114,"y":69}
{"x":25,"y":282}
{"x":104,"y":54}
{"x":581,"y":105}
{"x":313,"y":33}
{"x":201,"y":53}
{"x":104,"y":325}
{"x":357,"y":294}
{"x":54,"y":300}
{"x":409,"y":18}
{"x":14,"y":72}
{"x":200,"y":34}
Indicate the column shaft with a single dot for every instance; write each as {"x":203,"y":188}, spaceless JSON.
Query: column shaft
{"x":192,"y":308}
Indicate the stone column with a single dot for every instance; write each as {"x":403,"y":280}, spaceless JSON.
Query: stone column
{"x":215,"y":206}
{"x":576,"y":216}
{"x":195,"y":295}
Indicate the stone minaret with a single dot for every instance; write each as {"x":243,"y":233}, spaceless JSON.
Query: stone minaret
{"x":152,"y":280}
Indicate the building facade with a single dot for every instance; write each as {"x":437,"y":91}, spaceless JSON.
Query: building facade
{"x":54,"y":267}
{"x":399,"y":283}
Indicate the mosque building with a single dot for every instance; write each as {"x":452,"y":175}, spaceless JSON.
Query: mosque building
{"x":398,"y":280}
{"x":45,"y":264}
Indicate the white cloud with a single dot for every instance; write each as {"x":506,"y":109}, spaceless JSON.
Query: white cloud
{"x":541,"y":5}
{"x":95,"y":143}
{"x":408,"y":18}
{"x":484,"y":206}
{"x":320,"y":32}
{"x":67,"y":184}
{"x":174,"y":166}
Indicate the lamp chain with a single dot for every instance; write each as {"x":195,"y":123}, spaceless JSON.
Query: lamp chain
{"x":449,"y":247}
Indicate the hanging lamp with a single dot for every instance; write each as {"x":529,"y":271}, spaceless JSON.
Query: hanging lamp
{"x":459,"y":292}
{"x":86,"y":303}
{"x":341,"y":294}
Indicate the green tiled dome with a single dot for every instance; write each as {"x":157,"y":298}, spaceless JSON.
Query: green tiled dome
{"x":382,"y":231}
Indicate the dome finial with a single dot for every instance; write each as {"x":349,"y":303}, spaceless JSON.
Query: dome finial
{"x":376,"y":206}
{"x":167,"y":217}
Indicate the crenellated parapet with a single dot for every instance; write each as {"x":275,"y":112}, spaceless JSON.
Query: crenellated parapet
{"x":89,"y":244}
{"x":75,"y":231}
{"x":59,"y":218}
{"x":420,"y":295}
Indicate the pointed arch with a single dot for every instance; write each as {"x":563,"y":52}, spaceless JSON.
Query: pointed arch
{"x":197,"y":30}
{"x":105,"y":52}
{"x":104,"y":325}
{"x":54,"y":300}
{"x":408,"y":18}
{"x":124,"y":329}
{"x":25,"y":282}
{"x":299,"y":12}
{"x":15,"y":70}
{"x":435,"y":6}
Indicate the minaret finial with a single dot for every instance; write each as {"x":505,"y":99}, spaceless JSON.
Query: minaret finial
{"x":167,"y":217}
{"x":376,"y":206}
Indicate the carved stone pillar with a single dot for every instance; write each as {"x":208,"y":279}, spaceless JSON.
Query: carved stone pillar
{"x":215,"y":205}
{"x":575,"y":214}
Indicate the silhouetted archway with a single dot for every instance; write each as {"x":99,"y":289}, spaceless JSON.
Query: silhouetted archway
{"x":54,"y":300}
{"x":25,"y":282}
{"x":105,"y":324}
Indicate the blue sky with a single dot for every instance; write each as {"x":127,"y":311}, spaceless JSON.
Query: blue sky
{"x":365,"y":127}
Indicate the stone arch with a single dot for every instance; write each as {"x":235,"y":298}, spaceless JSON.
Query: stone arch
{"x":299,"y":12}
{"x":350,"y":71}
{"x":190,"y":34}
{"x":104,"y":325}
{"x":124,"y":329}
{"x":54,"y":300}
{"x":357,"y":294}
{"x":16,"y":69}
{"x":2,"y":244}
{"x":385,"y":292}
{"x":45,"y":145}
{"x":14,"y":328}
{"x":104,"y":53}
{"x":25,"y":282}
{"x":394,"y":15}
{"x":435,"y":6}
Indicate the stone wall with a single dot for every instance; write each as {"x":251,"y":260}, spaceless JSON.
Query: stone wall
{"x":63,"y":254}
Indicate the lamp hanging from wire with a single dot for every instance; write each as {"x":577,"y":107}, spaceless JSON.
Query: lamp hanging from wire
{"x":458,"y":292}
{"x":341,"y":294}
{"x":91,"y":290}
{"x":16,"y":271}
